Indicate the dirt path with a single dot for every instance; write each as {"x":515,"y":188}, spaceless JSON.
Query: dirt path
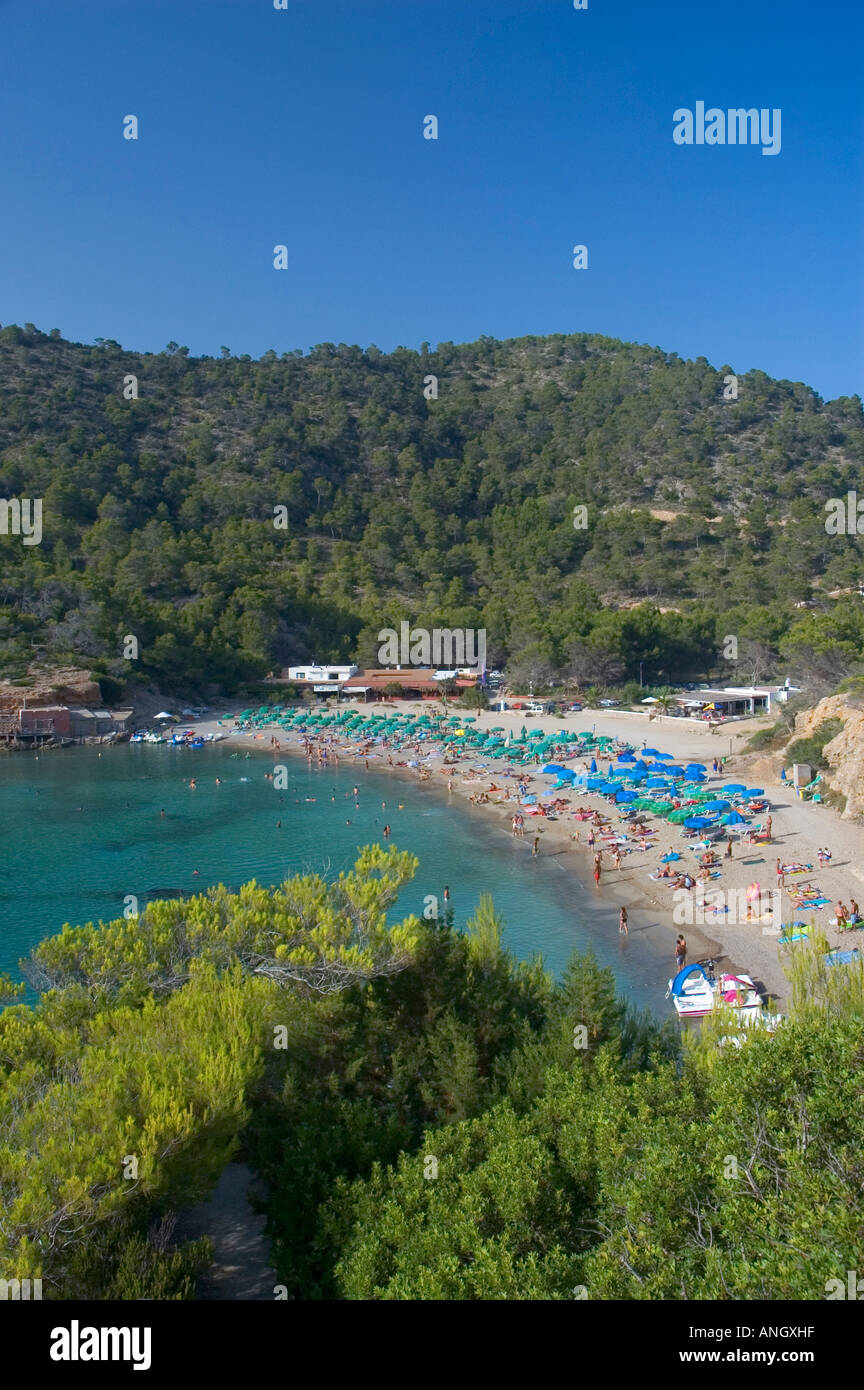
{"x":241,"y":1258}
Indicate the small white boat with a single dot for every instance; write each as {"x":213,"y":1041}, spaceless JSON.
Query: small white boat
{"x":741,"y":993}
{"x":693,"y":991}
{"x":696,"y":992}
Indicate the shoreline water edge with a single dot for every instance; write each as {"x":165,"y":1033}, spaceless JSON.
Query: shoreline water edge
{"x":568,"y":841}
{"x":478,"y":789}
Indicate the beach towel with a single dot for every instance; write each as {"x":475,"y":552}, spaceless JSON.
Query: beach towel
{"x":794,"y":931}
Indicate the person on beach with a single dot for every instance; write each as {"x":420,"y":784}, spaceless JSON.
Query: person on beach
{"x":781,"y":877}
{"x":728,"y":854}
{"x":598,"y":868}
{"x":536,"y":846}
{"x":768,"y":826}
{"x":591,"y":837}
{"x":854,"y":913}
{"x":622,"y":922}
{"x":618,"y":859}
{"x":680,"y":952}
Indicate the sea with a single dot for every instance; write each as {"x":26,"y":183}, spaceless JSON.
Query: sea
{"x":88,"y":833}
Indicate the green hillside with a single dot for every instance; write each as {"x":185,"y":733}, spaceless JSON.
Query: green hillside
{"x":456,"y":511}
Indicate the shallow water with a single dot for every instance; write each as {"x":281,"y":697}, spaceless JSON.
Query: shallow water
{"x":82,"y":833}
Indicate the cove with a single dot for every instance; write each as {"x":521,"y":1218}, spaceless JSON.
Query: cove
{"x":84,"y":834}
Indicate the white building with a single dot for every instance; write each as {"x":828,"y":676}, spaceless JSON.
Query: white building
{"x":322,"y":675}
{"x":736,"y":700}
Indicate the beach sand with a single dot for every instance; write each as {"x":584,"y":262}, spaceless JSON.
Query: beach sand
{"x":798,"y":829}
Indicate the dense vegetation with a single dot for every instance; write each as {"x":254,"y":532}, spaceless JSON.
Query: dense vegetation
{"x":456,"y":511}
{"x":434,"y":1120}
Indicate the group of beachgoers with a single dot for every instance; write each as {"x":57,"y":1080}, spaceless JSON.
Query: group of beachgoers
{"x":634,"y":833}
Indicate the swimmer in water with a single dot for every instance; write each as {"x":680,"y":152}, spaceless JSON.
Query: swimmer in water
{"x":192,"y":785}
{"x":218,"y":781}
{"x":278,"y":825}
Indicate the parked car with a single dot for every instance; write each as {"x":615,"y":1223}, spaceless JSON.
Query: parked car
{"x":610,"y":703}
{"x":575,"y":707}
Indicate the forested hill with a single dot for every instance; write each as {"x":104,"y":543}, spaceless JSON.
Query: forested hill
{"x":457,"y":511}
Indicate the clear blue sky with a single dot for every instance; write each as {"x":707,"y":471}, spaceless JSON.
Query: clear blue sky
{"x":304,"y":127}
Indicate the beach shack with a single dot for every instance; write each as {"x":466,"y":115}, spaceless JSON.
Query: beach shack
{"x":734,"y":701}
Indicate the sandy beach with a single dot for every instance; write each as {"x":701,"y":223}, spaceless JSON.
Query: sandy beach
{"x":798,"y":828}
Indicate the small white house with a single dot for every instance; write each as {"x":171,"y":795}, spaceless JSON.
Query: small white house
{"x":322,"y":675}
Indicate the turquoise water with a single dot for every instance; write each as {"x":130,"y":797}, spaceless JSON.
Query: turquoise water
{"x":82,"y":832}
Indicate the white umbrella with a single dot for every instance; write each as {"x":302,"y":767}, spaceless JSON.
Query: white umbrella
{"x":164,"y":715}
{"x":650,"y":701}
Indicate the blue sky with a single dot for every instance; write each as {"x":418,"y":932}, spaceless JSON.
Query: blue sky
{"x":304,"y":127}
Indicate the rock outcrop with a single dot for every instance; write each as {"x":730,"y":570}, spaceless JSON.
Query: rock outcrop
{"x":845,"y":753}
{"x":63,"y":687}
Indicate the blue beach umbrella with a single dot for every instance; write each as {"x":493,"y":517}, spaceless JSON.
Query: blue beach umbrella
{"x":650,"y":753}
{"x":593,"y":765}
{"x":625,"y":796}
{"x":716,"y":806}
{"x":755,"y":791}
{"x":553,"y":767}
{"x":733,"y":818}
{"x":664,"y":756}
{"x":734,"y":787}
{"x":699,"y":822}
{"x":626,"y":757}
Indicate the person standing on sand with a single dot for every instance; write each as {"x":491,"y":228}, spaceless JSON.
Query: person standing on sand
{"x":618,"y":860}
{"x":728,"y":854}
{"x":622,"y":922}
{"x":590,"y":837}
{"x":781,"y":877}
{"x":598,"y":869}
{"x":680,"y":952}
